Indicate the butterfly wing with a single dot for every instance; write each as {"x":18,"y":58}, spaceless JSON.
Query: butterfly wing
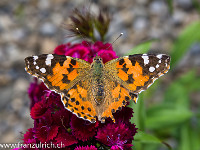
{"x":137,"y":72}
{"x":116,"y":96}
{"x":58,"y":72}
{"x":80,"y":100}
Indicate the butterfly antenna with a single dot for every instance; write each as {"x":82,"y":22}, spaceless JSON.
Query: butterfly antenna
{"x":82,"y":36}
{"x":113,"y":42}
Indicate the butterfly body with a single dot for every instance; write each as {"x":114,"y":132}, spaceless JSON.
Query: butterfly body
{"x":97,"y":80}
{"x":97,"y":90}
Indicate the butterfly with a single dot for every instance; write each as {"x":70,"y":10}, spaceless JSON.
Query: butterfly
{"x":97,"y":90}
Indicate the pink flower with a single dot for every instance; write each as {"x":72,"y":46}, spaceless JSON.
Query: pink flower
{"x":39,"y":109}
{"x":87,"y":51}
{"x":116,"y":135}
{"x":35,"y":92}
{"x":82,"y":129}
{"x":46,"y":133}
{"x":65,"y":138}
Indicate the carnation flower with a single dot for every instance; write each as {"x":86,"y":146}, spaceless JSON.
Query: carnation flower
{"x":35,"y":92}
{"x":82,"y":129}
{"x":123,"y":115}
{"x":116,"y":135}
{"x":65,"y":138}
{"x":39,"y":109}
{"x":46,"y":133}
{"x":87,"y":51}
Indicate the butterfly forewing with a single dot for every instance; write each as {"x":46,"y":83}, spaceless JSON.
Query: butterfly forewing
{"x":137,"y":72}
{"x":58,"y":72}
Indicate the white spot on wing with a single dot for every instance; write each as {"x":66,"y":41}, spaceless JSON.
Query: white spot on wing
{"x":37,"y":67}
{"x":43,"y":70}
{"x":146,"y":59}
{"x":157,"y":65}
{"x":49,"y":56}
{"x":35,"y":57}
{"x":159,"y":56}
{"x":34,"y":60}
{"x":159,"y":61}
{"x":48,"y":59}
{"x":151,"y":69}
{"x":48,"y":62}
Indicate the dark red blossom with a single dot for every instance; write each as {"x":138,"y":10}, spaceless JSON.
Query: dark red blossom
{"x":87,"y":51}
{"x":46,"y":133}
{"x":116,"y":134}
{"x":36,"y":91}
{"x":62,"y":118}
{"x":39,"y":109}
{"x":86,"y":148}
{"x":82,"y":129}
{"x":123,"y":115}
{"x":65,"y":138}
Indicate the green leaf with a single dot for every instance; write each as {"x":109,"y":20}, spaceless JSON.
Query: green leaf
{"x":179,"y":91}
{"x":164,"y":116}
{"x":141,"y":48}
{"x":185,"y":141}
{"x":189,"y":36}
{"x":145,"y":138}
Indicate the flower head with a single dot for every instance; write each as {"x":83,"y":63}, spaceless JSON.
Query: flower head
{"x":87,"y":51}
{"x":35,"y":92}
{"x":82,"y":129}
{"x":116,"y":135}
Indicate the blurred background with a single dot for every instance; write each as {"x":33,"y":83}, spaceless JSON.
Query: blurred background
{"x":167,"y":113}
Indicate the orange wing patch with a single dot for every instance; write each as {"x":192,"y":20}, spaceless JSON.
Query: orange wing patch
{"x":131,"y":74}
{"x":76,"y":100}
{"x":117,"y":100}
{"x":63,"y":74}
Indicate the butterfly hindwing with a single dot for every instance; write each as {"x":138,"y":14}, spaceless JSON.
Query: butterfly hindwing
{"x":58,"y":72}
{"x":80,"y":101}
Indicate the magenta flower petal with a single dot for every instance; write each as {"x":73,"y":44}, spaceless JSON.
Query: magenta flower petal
{"x":61,"y":49}
{"x":45,"y":133}
{"x":66,"y":139}
{"x":115,"y":134}
{"x":82,"y":129}
{"x":39,"y":110}
{"x":35,"y":92}
{"x":62,"y":118}
{"x":124,"y":115}
{"x":87,"y":51}
{"x":86,"y":148}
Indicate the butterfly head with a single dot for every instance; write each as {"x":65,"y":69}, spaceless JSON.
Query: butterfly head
{"x":97,"y":64}
{"x":97,"y":59}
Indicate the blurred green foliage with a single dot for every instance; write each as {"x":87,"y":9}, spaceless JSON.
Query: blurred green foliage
{"x":171,"y":120}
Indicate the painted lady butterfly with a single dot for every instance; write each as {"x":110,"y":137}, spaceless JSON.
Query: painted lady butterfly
{"x":97,"y":89}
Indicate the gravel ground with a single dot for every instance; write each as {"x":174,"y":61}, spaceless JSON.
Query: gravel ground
{"x":30,"y":27}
